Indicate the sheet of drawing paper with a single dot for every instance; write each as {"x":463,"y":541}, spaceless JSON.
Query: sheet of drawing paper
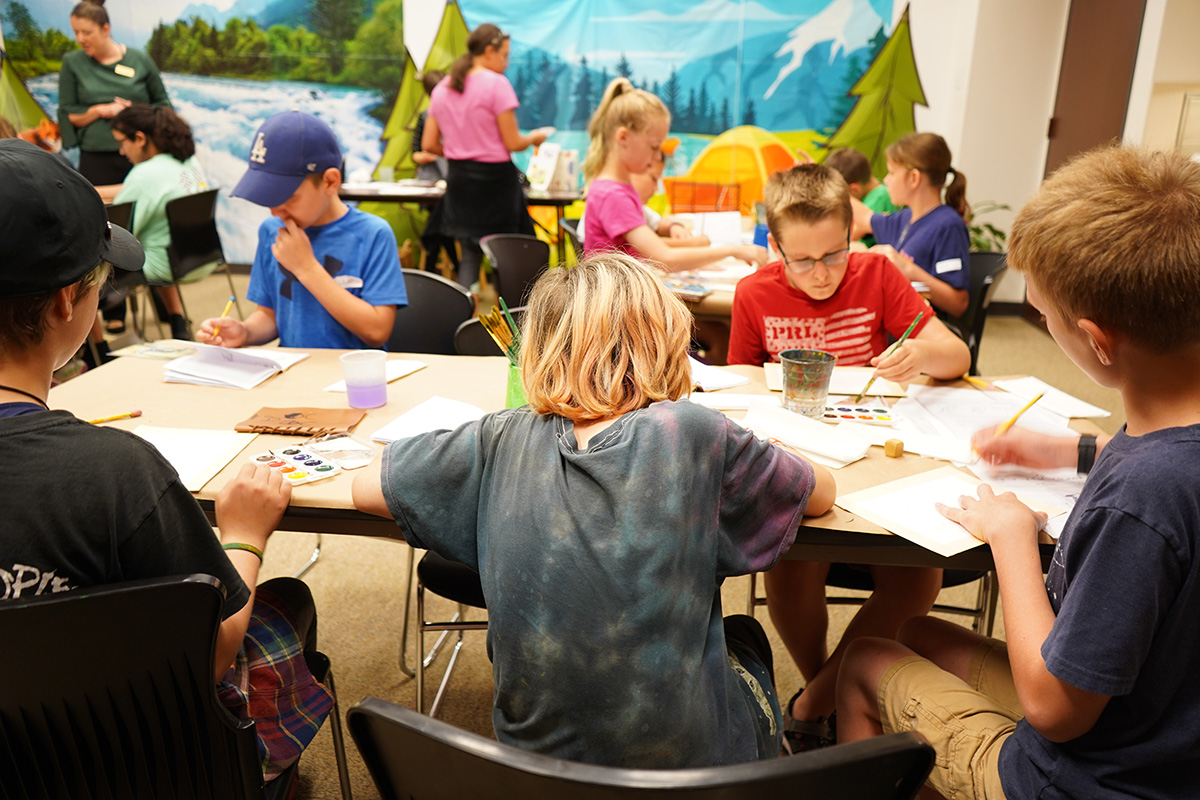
{"x":197,"y":455}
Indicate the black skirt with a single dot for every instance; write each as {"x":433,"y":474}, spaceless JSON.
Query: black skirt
{"x":483,"y":198}
{"x":103,"y":168}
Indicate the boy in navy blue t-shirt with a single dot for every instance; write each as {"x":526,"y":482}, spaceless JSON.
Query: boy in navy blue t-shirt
{"x":1095,"y":693}
{"x":324,"y":274}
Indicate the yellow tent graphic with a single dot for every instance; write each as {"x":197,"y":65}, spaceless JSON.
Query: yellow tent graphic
{"x":729,"y":174}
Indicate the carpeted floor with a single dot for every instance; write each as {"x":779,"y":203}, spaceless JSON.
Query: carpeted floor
{"x":358,"y":582}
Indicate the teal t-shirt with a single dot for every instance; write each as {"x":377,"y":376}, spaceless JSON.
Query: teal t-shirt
{"x":84,"y":82}
{"x":150,"y":185}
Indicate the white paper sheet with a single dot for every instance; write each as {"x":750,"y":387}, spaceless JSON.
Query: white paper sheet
{"x":956,"y":451}
{"x":844,"y":381}
{"x":710,"y":378}
{"x":197,"y":455}
{"x":906,"y":508}
{"x":959,"y":413}
{"x":395,"y":370}
{"x":1055,"y":400}
{"x":1057,"y":488}
{"x":721,"y":227}
{"x":823,"y":442}
{"x":435,"y":414}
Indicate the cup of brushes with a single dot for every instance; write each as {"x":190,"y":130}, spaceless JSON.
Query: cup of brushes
{"x":501,"y":326}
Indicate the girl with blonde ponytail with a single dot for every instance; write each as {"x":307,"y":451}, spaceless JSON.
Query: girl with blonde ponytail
{"x":627,"y":132}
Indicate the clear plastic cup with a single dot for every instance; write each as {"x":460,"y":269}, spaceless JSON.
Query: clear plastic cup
{"x":365,"y":372}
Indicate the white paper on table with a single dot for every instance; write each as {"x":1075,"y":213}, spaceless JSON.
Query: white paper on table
{"x":844,"y":381}
{"x":710,"y":378}
{"x":807,"y":435}
{"x":197,"y":455}
{"x":906,"y":508}
{"x":435,"y":414}
{"x":395,"y":370}
{"x":730,"y":401}
{"x":234,"y":367}
{"x":1055,"y":400}
{"x":1058,"y":488}
{"x":961,"y":412}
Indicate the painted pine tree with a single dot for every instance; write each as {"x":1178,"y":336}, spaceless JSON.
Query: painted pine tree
{"x":887,"y":94}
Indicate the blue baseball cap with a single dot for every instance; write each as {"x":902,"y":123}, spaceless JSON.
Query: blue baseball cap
{"x":286,"y":149}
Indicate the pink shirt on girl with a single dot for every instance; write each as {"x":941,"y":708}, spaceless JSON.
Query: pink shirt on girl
{"x":613,"y":209}
{"x":467,"y":121}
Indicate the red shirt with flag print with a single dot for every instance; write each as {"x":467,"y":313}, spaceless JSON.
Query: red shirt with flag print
{"x":873,"y":300}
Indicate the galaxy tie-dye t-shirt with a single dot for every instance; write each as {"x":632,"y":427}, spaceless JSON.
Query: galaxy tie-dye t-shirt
{"x":602,"y":571}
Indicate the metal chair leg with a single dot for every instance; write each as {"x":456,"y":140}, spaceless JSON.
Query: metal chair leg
{"x":339,"y":745}
{"x":404,"y":667}
{"x":316,"y":553}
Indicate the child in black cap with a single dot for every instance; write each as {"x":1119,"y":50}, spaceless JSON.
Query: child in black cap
{"x":56,"y":247}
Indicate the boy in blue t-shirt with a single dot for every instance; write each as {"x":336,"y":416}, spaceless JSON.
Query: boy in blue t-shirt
{"x":1095,"y":693}
{"x":324,"y":274}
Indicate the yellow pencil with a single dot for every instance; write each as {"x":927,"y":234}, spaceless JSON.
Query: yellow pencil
{"x":887,"y":353}
{"x":115,"y":416}
{"x":1004,"y":427}
{"x":971,"y":379}
{"x":224,"y":313}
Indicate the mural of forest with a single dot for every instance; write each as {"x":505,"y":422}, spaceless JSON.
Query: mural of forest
{"x":787,"y":66}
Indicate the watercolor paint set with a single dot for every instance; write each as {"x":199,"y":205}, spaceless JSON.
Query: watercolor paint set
{"x":298,"y":464}
{"x":869,"y":413}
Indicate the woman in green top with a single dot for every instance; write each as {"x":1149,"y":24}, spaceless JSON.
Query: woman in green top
{"x":94,"y":84}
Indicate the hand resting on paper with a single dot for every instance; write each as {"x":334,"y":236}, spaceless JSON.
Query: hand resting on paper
{"x":994,"y":515}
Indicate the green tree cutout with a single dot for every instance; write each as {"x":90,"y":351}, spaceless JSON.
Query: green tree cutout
{"x":887,"y":94}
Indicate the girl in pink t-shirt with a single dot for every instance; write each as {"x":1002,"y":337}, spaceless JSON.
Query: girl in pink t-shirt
{"x":627,"y":133}
{"x":472,"y":120}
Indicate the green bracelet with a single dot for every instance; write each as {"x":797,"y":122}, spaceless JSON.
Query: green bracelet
{"x":249,"y":548}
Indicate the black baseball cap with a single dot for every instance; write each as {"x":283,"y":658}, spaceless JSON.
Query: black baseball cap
{"x":54,"y":229}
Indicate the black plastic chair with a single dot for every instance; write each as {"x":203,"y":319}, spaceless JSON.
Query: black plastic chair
{"x":472,"y":339}
{"x":413,"y":756}
{"x":518,"y":260}
{"x":986,"y":269}
{"x":574,"y":236}
{"x":436,"y":307}
{"x":195,"y":242}
{"x":112,"y":695}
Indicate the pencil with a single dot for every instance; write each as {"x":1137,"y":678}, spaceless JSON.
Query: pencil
{"x":134,"y":413}
{"x":971,"y":379}
{"x":887,"y":353}
{"x":1005,"y":426}
{"x":224,"y":313}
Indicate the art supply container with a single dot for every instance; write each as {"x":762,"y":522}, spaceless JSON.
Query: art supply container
{"x":806,"y":375}
{"x":760,"y":235}
{"x":514,"y":397}
{"x":366,"y":378}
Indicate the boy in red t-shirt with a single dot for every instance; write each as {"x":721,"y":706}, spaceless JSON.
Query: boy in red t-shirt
{"x":819,"y":295}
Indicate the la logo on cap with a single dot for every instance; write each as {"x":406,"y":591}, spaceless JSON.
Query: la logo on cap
{"x":258,"y":153}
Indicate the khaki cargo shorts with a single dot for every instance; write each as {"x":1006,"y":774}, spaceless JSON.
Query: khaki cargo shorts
{"x":965,"y":722}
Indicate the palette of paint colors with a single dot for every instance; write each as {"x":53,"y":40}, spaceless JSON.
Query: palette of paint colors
{"x":297,"y":464}
{"x":868,"y":414}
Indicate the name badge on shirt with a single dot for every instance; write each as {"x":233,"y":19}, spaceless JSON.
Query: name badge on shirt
{"x":124,"y":71}
{"x":949,"y":265}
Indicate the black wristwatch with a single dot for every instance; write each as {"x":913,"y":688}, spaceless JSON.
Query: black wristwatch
{"x":1087,"y":453}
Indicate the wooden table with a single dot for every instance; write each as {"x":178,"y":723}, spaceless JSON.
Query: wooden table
{"x":326,"y":506}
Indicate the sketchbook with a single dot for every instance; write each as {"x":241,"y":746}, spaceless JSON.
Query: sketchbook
{"x":197,"y":455}
{"x":236,"y":368}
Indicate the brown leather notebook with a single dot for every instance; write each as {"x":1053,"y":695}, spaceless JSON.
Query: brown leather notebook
{"x":301,"y":421}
